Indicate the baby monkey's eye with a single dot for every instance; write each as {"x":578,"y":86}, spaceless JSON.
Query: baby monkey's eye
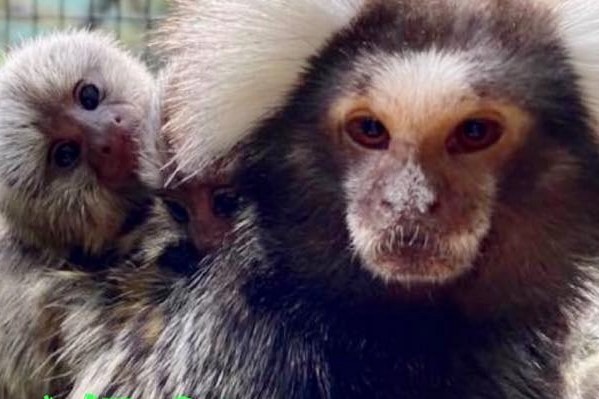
{"x":474,"y":135}
{"x":368,"y":132}
{"x":88,"y":96}
{"x":65,"y":154}
{"x":225,"y":202}
{"x":178,"y":212}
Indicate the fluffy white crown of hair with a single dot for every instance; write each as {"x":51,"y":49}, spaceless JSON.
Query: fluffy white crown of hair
{"x":579,"y":28}
{"x":238,"y":60}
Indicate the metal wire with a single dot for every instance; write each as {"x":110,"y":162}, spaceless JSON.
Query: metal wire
{"x":128,"y":19}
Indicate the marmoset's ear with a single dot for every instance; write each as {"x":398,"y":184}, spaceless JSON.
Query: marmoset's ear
{"x":237,"y":61}
{"x":578,"y":22}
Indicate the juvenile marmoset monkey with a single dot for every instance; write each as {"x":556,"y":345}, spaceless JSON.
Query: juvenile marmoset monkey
{"x":421,"y":205}
{"x":78,"y":121}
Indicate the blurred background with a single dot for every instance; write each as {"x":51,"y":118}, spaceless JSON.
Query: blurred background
{"x":130,"y":20}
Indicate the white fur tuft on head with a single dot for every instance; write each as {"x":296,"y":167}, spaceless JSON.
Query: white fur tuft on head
{"x":238,"y":60}
{"x":579,"y":28}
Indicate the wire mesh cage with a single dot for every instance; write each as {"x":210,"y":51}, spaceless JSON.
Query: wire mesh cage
{"x":130,"y":20}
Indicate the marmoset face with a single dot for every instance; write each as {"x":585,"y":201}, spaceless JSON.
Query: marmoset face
{"x":458,"y":129}
{"x":76,"y":119}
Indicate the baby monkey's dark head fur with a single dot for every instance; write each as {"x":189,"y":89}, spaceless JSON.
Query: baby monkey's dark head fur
{"x":76,"y":129}
{"x":449,"y":145}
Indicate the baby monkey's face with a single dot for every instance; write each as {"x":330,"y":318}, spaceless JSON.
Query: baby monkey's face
{"x":78,"y":120}
{"x":95,"y":134}
{"x":206,"y":209}
{"x":206,"y":205}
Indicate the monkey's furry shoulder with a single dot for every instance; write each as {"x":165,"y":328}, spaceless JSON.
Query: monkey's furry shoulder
{"x":62,"y":318}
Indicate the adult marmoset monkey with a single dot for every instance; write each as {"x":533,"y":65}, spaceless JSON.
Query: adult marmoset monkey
{"x":420,"y":214}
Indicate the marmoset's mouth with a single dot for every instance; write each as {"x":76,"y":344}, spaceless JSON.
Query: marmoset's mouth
{"x":420,"y":256}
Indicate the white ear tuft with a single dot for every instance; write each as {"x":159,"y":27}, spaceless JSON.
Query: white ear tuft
{"x":579,"y":27}
{"x":238,"y":61}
